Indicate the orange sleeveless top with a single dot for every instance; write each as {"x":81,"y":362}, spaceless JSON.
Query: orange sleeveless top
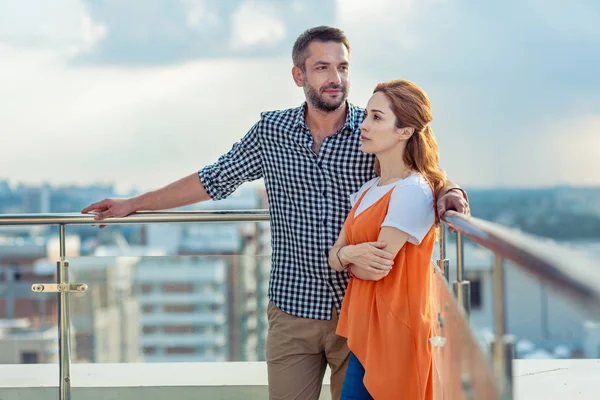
{"x":388,"y":322}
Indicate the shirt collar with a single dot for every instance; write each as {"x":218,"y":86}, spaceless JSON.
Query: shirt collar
{"x":352,"y":118}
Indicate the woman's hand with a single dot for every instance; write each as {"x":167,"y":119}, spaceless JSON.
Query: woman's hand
{"x":367,"y":276}
{"x":369,"y":257}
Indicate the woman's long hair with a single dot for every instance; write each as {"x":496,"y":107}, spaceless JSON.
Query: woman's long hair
{"x":412,"y":108}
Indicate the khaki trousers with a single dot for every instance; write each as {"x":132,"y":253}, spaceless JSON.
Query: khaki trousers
{"x":298,"y":351}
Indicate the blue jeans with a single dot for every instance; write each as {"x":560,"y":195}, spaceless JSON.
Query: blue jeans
{"x":354,"y":388}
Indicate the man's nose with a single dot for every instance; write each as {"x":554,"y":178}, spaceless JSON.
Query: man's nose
{"x":335,"y":77}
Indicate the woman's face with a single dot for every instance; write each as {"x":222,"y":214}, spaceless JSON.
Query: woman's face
{"x":378,"y":130}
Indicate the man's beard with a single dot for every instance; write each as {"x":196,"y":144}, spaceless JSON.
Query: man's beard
{"x":317,"y":98}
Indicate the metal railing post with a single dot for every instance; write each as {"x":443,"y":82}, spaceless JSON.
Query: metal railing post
{"x":503,"y":344}
{"x":63,"y":289}
{"x":64,"y":322}
{"x":462,"y":288}
{"x":443,"y":262}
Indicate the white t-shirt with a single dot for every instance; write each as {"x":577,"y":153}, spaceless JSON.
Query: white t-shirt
{"x":411,"y":205}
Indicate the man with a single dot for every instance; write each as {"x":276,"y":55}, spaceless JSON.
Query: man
{"x":311,"y":161}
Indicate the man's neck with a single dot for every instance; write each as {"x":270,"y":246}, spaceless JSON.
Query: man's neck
{"x":322,"y":123}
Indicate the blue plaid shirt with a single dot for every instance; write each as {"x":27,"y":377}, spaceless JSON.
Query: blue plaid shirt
{"x":308,"y":201}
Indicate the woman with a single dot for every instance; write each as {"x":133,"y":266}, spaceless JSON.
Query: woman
{"x":386,"y":316}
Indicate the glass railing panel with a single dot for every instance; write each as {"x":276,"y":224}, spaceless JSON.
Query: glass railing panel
{"x":196,"y":296}
{"x":192,"y":308}
{"x":163,"y":292}
{"x":544,"y":323}
{"x":28,"y":320}
{"x":462,"y":369}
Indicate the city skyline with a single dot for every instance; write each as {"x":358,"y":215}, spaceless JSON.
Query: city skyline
{"x":140,"y":96}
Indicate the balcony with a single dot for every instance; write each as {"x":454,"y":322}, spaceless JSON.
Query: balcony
{"x":218,"y":325}
{"x":533,"y":380}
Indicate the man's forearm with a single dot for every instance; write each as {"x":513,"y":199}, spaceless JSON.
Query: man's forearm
{"x":186,"y":191}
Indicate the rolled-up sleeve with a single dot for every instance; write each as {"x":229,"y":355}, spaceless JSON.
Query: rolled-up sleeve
{"x":243,"y":163}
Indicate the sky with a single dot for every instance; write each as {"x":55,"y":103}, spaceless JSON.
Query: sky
{"x":140,"y":93}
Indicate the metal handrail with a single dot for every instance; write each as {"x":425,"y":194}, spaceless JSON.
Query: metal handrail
{"x":569,"y":271}
{"x":143,"y":217}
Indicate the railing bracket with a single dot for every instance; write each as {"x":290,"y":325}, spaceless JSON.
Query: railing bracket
{"x":57,"y":287}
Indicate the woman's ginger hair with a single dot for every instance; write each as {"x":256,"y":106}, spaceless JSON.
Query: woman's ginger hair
{"x":412,"y":109}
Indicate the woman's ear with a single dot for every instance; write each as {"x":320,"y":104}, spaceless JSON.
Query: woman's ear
{"x":405,"y":133}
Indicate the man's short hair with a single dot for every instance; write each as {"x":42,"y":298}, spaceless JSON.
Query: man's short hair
{"x":320,"y":33}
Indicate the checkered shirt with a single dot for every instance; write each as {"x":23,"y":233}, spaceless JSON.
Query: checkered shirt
{"x":308,"y":201}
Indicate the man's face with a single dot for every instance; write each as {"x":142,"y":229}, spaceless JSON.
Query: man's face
{"x":327,"y":75}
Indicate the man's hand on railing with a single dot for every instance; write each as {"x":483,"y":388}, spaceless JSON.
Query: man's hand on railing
{"x":453,"y":200}
{"x":110,"y":208}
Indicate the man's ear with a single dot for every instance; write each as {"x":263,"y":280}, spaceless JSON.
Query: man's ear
{"x":298,"y":76}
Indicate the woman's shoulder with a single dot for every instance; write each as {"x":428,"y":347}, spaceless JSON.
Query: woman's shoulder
{"x":368,"y":185}
{"x":356,"y":195}
{"x":415,"y":183}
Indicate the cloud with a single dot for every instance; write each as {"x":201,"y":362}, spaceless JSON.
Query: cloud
{"x":498,"y":75}
{"x":63,"y":25}
{"x":91,"y":33}
{"x":398,"y":16}
{"x":157,"y":90}
{"x":254,"y":24}
{"x":135,"y":127}
{"x":167,"y":32}
{"x":566,"y":152}
{"x":199,"y":14}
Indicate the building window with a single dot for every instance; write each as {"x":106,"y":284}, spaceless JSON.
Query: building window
{"x":476,"y":291}
{"x":179,"y":308}
{"x":147,"y":288}
{"x":149,"y":350}
{"x":177,"y":288}
{"x":149,"y":329}
{"x":180,"y":350}
{"x":29,"y":358}
{"x":180,"y":329}
{"x":148,"y":308}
